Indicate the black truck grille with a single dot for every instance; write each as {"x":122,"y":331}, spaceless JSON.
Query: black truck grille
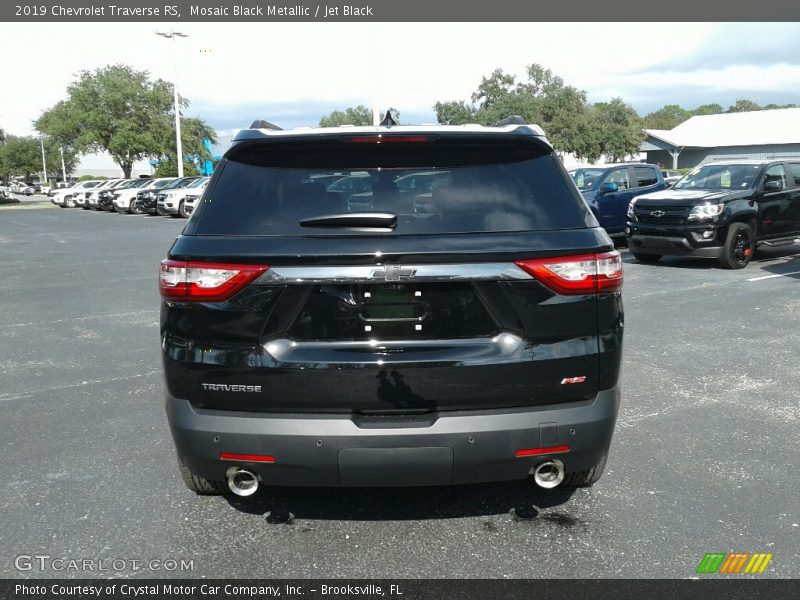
{"x":674,"y":215}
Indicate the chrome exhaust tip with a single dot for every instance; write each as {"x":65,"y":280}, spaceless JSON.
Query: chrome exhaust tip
{"x":549,"y":474}
{"x":242,"y":482}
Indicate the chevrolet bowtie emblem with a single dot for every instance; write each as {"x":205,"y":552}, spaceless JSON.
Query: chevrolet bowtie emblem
{"x":393,"y":273}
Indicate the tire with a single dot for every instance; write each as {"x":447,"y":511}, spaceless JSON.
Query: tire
{"x":69,"y":202}
{"x":200,"y":485}
{"x":740,"y":245}
{"x":588,"y":477}
{"x":182,"y":210}
{"x":134,"y":209}
{"x":646,"y":258}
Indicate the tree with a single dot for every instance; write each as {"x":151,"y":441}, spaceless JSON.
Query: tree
{"x":22,"y":156}
{"x":571,"y":124}
{"x":618,"y":129}
{"x":118,"y":110}
{"x":743,"y":105}
{"x":707,"y":109}
{"x":356,"y":115}
{"x":194,"y":133}
{"x":169,"y":168}
{"x":668,"y":117}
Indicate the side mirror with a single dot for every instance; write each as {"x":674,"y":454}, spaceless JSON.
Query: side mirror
{"x":773,"y":186}
{"x":609,"y":187}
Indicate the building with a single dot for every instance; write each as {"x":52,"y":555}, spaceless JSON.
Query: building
{"x":758,"y":134}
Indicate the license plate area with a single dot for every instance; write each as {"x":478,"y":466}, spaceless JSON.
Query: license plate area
{"x":392,"y":306}
{"x":392,"y":311}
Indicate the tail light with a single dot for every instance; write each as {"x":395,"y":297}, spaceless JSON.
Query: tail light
{"x":191,"y":281}
{"x":599,"y":273}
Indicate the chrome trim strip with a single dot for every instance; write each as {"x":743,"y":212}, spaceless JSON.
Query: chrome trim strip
{"x":378,"y":273}
{"x":503,"y":347}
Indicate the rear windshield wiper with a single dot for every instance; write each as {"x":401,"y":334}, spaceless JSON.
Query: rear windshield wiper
{"x":370,"y":220}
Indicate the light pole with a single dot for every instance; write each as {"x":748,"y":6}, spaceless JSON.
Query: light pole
{"x":63,"y":167}
{"x":179,"y":147}
{"x":44,"y":164}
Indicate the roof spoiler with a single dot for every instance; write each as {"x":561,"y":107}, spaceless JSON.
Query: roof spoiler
{"x":262,"y":124}
{"x":512,"y":120}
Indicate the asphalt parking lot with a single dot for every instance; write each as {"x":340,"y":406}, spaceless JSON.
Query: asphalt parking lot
{"x":705,"y":456}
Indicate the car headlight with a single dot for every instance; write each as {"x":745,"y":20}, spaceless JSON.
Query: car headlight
{"x":631,"y":213}
{"x":702,"y":212}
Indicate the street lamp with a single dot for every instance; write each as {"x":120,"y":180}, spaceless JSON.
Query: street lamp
{"x":172,"y":35}
{"x":44,"y":163}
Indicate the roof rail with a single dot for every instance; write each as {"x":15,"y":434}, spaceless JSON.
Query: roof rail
{"x":512,"y":120}
{"x":390,"y":120}
{"x":262,"y":124}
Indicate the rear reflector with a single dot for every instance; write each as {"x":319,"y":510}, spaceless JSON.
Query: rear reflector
{"x":387,"y":139}
{"x":265,"y":458}
{"x":546,"y":450}
{"x":575,"y":275}
{"x":192,"y":281}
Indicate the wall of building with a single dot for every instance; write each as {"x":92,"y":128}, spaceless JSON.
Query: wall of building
{"x":691,"y":157}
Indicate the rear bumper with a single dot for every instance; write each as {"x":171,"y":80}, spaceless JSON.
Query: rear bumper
{"x":434,"y":449}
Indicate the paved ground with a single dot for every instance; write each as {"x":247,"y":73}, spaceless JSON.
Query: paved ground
{"x":705,"y":456}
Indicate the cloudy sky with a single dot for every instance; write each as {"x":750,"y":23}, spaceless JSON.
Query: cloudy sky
{"x":293,"y":73}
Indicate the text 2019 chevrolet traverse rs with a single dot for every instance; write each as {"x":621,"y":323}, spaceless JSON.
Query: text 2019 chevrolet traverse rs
{"x":466,"y":329}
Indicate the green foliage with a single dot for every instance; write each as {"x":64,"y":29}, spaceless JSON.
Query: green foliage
{"x":356,"y":115}
{"x":743,"y":105}
{"x":613,"y":130}
{"x":669,"y":117}
{"x":22,"y":156}
{"x":169,"y":168}
{"x":571,"y":124}
{"x":119,"y":110}
{"x":90,"y":177}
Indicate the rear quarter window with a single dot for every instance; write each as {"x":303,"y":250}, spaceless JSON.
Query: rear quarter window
{"x":437,"y":187}
{"x":645,"y":176}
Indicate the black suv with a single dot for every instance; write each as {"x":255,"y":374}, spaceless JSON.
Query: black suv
{"x":465,"y":330}
{"x":722,"y":210}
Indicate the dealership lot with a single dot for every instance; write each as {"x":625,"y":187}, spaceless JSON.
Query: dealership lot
{"x":705,"y":456}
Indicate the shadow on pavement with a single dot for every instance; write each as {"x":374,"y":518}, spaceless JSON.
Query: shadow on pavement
{"x":522,"y":499}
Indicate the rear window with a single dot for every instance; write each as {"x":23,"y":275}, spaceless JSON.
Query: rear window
{"x":441,"y":186}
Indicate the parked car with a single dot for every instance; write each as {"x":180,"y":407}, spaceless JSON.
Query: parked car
{"x":670,"y":177}
{"x":92,"y":196}
{"x":42,"y":188}
{"x":608,"y":189}
{"x":137,"y":205}
{"x":147,"y":202}
{"x":306,"y":344}
{"x":173,"y":201}
{"x":124,"y":199}
{"x":65,"y":197}
{"x":5,"y":193}
{"x":189,"y":203}
{"x":723,"y":210}
{"x":105,"y":198}
{"x":22,"y":188}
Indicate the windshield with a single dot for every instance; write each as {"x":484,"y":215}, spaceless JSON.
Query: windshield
{"x":586,"y":179}
{"x":198,"y":183}
{"x":160,"y":184}
{"x":137,"y":183}
{"x":719,"y":177}
{"x":179,"y":183}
